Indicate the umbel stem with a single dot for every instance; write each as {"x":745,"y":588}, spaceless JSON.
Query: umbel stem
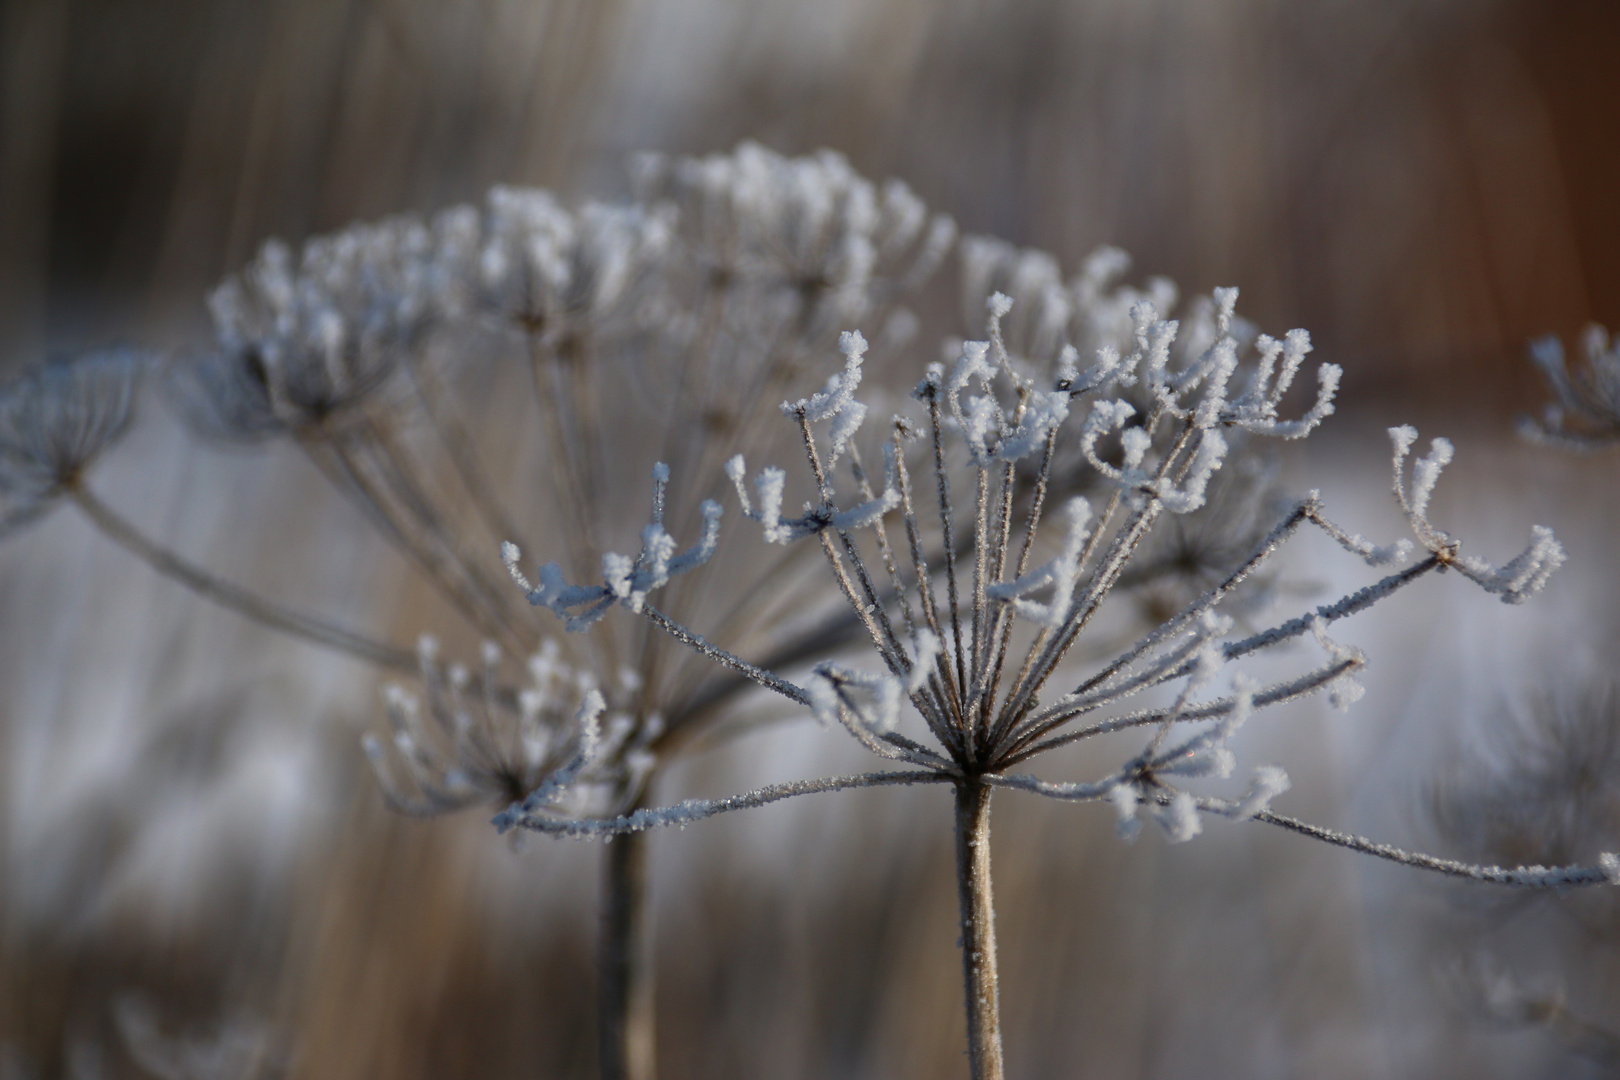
{"x":978,"y":929}
{"x":624,"y":994}
{"x":239,"y":600}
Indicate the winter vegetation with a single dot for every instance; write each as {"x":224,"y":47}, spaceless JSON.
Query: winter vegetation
{"x":1063,"y":530}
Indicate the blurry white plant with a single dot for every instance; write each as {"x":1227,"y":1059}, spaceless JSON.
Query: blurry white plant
{"x":1541,"y":784}
{"x":976,"y":664}
{"x":1586,"y":413}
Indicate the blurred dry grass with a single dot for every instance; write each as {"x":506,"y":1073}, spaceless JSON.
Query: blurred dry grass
{"x":1423,"y":184}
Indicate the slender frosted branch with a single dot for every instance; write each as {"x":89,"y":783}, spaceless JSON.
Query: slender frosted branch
{"x":458,"y":443}
{"x":1529,"y":877}
{"x":1360,"y":600}
{"x":234,"y":597}
{"x":690,"y":810}
{"x":725,"y":659}
{"x":1277,"y":694}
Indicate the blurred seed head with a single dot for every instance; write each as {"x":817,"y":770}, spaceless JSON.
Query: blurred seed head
{"x":1545,"y":785}
{"x":58,"y":418}
{"x":1585,"y":414}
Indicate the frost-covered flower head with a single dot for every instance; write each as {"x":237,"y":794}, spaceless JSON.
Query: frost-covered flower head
{"x":972,"y":590}
{"x":305,"y":337}
{"x":56,"y":419}
{"x":1090,"y":311}
{"x":1585,"y":414}
{"x":810,"y":225}
{"x":562,"y":272}
{"x":635,"y":352}
{"x":560,"y":742}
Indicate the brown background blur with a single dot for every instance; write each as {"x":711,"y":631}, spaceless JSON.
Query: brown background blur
{"x":1423,"y":184}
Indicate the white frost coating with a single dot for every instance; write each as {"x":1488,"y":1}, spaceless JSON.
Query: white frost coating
{"x":1609,"y":863}
{"x":1206,"y":754}
{"x":923,"y":656}
{"x":825,"y":705}
{"x":703,"y":550}
{"x":769,"y":486}
{"x":844,"y":426}
{"x":1256,"y":409}
{"x":511,"y":555}
{"x":1358,"y":545}
{"x":1180,"y":818}
{"x":1125,"y":802}
{"x":1044,"y":413}
{"x":980,"y":418}
{"x":624,"y":580}
{"x":1345,"y":690}
{"x":617,"y":570}
{"x":840,"y":388}
{"x":1106,"y":416}
{"x":1061,"y":573}
{"x":1193,"y":491}
{"x":866,"y":705}
{"x":973,"y":363}
{"x":1269,"y":782}
{"x":1426,"y":473}
{"x":868,"y":513}
{"x":1520,"y":577}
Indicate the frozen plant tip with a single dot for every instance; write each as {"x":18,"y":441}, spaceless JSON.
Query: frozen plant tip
{"x":1513,"y":581}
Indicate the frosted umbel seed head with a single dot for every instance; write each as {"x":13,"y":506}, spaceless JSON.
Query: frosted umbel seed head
{"x":56,"y":419}
{"x":1585,"y":412}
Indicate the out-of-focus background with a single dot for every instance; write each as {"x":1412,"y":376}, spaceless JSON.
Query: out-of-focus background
{"x":199,"y":878}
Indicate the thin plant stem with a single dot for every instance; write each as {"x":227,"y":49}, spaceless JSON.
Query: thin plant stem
{"x":978,"y":929}
{"x":624,"y":991}
{"x":426,"y":555}
{"x":112,"y":525}
{"x":458,"y":443}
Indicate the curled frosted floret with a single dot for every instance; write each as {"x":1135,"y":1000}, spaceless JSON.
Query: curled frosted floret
{"x":1256,"y":410}
{"x":868,"y":704}
{"x":1356,"y":544}
{"x":1520,"y":577}
{"x":57,"y":418}
{"x":625,"y":580}
{"x":1269,"y":781}
{"x":1344,"y":690}
{"x":836,"y":401}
